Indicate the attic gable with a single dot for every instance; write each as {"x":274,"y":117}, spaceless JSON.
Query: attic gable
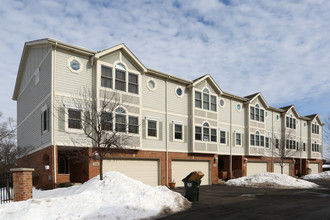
{"x":257,"y":96}
{"x":126,"y":53}
{"x":207,"y":80}
{"x":290,"y":108}
{"x":315,"y":117}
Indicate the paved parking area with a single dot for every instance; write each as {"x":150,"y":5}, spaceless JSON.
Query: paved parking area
{"x":228,"y":202}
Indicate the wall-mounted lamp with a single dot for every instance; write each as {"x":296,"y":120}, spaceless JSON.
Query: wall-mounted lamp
{"x":294,"y":161}
{"x":216,"y":159}
{"x":307,"y":161}
{"x":96,"y":155}
{"x":245,"y":159}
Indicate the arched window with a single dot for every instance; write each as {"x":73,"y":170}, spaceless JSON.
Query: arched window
{"x":62,"y":165}
{"x":206,"y":99}
{"x":206,"y":131}
{"x":257,"y":138}
{"x":257,"y":109}
{"x":121,"y":119}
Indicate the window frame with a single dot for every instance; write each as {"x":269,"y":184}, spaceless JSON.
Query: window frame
{"x":238,"y":139}
{"x":153,"y":129}
{"x":105,"y":77}
{"x":206,"y":100}
{"x":223,"y":138}
{"x":175,"y":132}
{"x":74,"y":119}
{"x":44,"y":119}
{"x":130,"y":125}
{"x":135,"y":84}
{"x":108,"y":122}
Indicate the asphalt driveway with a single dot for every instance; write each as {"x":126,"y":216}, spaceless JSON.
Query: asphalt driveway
{"x":229,"y":202}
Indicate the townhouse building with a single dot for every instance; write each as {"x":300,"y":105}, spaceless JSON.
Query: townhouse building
{"x":176,"y":125}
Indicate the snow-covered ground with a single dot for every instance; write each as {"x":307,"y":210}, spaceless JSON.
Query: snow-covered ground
{"x":319,"y":176}
{"x":271,"y":180}
{"x":116,"y":197}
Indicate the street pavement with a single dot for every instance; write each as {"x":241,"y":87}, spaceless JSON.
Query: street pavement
{"x":229,"y":202}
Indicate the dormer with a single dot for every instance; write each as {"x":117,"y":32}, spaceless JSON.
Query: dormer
{"x":257,"y":106}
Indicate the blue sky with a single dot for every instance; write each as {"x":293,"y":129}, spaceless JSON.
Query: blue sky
{"x":280,"y":48}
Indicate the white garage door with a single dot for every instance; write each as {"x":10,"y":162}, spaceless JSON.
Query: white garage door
{"x":144,"y":170}
{"x":255,"y":168}
{"x":314,"y":167}
{"x":180,"y":169}
{"x":286,"y":168}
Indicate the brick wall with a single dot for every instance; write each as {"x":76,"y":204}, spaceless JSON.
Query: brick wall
{"x":22,"y":182}
{"x":42,"y":178}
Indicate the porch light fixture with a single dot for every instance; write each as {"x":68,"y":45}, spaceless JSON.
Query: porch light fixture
{"x":96,"y":155}
{"x":216,"y":159}
{"x":294,"y":161}
{"x":245,"y":159}
{"x":307,"y":161}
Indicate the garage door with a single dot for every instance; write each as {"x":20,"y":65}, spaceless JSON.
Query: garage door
{"x":314,"y":167}
{"x":286,"y":168}
{"x":255,"y":168}
{"x":180,"y":169}
{"x":144,"y":170}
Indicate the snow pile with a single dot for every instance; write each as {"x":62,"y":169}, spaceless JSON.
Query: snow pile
{"x":271,"y":180}
{"x":115,"y":197}
{"x":318,"y":176}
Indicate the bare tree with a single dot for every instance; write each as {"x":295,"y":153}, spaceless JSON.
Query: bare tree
{"x":284,"y":148}
{"x":9,"y":152}
{"x":97,"y":117}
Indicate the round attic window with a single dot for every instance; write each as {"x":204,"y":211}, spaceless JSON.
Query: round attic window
{"x":74,"y":64}
{"x":179,"y":92}
{"x":222,"y":102}
{"x":151,"y":84}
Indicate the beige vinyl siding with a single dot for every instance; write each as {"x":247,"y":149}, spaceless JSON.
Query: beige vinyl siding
{"x":29,"y":133}
{"x":62,"y":134}
{"x":177,"y":105}
{"x":111,"y":58}
{"x":224,"y":112}
{"x":178,"y":145}
{"x":34,"y":58}
{"x":30,"y":94}
{"x":153,"y":99}
{"x":206,"y":84}
{"x":151,"y":143}
{"x":129,"y":64}
{"x":69,"y":82}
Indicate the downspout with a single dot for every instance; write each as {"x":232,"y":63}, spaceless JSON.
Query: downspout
{"x":166,"y":128}
{"x":53,"y":110}
{"x":300,"y":149}
{"x":230,"y":142}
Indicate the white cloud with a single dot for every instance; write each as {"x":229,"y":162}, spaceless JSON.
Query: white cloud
{"x":280,"y":48}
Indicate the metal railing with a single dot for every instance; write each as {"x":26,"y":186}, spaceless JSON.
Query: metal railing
{"x":6,"y":188}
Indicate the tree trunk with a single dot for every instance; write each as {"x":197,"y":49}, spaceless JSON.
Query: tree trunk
{"x":282,"y":169}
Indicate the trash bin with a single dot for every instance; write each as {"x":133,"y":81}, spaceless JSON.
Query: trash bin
{"x":191,"y":185}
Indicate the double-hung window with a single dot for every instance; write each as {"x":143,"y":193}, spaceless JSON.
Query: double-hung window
{"x":133,"y":124}
{"x":257,"y":138}
{"x":256,"y":113}
{"x":106,"y":121}
{"x":213,"y":103}
{"x":222,"y":137}
{"x":206,"y":132}
{"x":152,"y":128}
{"x":74,"y":118}
{"x":206,"y":99}
{"x":198,"y":133}
{"x":120,"y":120}
{"x":252,"y":139}
{"x":238,"y":139}
{"x":213,"y":135}
{"x":178,"y":132}
{"x":120,"y":80}
{"x":277,"y":143}
{"x":198,"y":99}
{"x":44,"y":119}
{"x":106,"y":77}
{"x":133,"y":83}
{"x":252,"y":113}
{"x":267,"y":142}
